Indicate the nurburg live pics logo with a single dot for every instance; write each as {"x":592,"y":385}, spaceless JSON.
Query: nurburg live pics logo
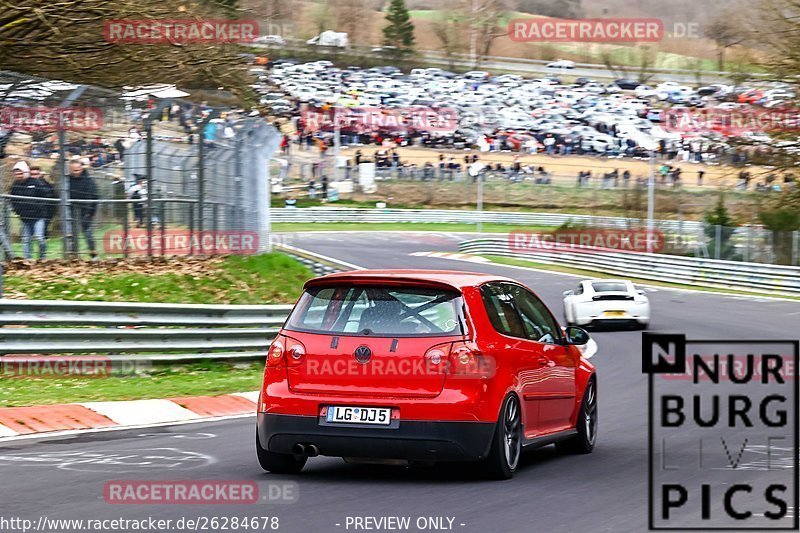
{"x":722,"y":433}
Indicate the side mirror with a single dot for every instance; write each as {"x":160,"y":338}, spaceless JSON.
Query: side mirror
{"x":576,"y":336}
{"x":568,"y":293}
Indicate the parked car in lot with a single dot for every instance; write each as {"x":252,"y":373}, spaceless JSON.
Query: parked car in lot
{"x":486,"y":105}
{"x":627,"y":84}
{"x":274,"y":40}
{"x":562,"y":63}
{"x":606,"y":302}
{"x":404,"y":366}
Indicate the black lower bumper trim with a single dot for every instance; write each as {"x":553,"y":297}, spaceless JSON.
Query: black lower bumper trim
{"x":412,"y":440}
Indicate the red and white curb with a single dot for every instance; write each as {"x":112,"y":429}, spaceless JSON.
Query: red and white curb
{"x":453,"y":256}
{"x":44,"y":419}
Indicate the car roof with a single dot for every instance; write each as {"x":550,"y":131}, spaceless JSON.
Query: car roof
{"x":450,"y":278}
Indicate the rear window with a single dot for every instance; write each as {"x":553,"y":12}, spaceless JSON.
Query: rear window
{"x":378,"y":311}
{"x":609,"y":286}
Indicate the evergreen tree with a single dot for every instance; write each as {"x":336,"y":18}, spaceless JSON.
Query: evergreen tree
{"x":721,"y":246}
{"x":399,"y":33}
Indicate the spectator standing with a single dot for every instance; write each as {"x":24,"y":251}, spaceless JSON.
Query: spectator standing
{"x":549,"y":144}
{"x":83,"y":187}
{"x":700,"y":174}
{"x":33,"y":213}
{"x":49,"y":191}
{"x":138,"y":192}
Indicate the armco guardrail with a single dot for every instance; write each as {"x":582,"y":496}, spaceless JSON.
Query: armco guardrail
{"x":751,"y":277}
{"x":138,"y":331}
{"x":130,"y":330}
{"x":337,"y":214}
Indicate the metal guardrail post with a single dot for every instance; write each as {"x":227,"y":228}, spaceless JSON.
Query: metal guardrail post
{"x":162,"y":215}
{"x":191,"y":230}
{"x":201,"y":182}
{"x":148,"y":126}
{"x":215,"y":222}
{"x":125,"y":230}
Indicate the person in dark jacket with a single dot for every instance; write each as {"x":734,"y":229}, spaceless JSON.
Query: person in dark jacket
{"x":83,"y":187}
{"x":33,"y":213}
{"x":49,"y":208}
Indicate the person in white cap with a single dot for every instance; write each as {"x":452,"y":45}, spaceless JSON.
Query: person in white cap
{"x":32,"y":212}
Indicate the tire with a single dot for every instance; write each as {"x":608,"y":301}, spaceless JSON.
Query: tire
{"x":586,"y":438}
{"x":506,"y":449}
{"x":279,"y":463}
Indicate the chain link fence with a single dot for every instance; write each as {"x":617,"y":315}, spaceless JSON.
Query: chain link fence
{"x":154,"y":178}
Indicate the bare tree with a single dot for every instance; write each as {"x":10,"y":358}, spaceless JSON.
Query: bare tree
{"x":65,"y":40}
{"x":484,"y":17}
{"x":447,"y":30}
{"x":351,"y":16}
{"x":639,"y":62}
{"x":322,"y":16}
{"x":726,"y":31}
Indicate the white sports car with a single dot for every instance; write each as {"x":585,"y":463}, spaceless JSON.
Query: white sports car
{"x":606,"y":302}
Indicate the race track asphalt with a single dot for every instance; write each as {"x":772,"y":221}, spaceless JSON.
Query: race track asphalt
{"x":602,"y":492}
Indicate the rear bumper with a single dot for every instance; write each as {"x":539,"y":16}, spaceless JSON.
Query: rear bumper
{"x":412,"y":440}
{"x":612,"y":322}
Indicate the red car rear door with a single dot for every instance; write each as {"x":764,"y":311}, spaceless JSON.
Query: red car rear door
{"x":514,"y":352}
{"x":553,"y":390}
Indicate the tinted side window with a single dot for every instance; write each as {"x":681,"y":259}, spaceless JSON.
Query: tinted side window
{"x":501,"y":311}
{"x":539,"y":324}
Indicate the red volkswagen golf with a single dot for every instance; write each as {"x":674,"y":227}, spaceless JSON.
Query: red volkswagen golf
{"x":404,"y":366}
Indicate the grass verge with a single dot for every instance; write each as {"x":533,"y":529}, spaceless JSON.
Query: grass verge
{"x":197,"y":379}
{"x":594,"y":273}
{"x":262,"y":279}
{"x":255,"y":279}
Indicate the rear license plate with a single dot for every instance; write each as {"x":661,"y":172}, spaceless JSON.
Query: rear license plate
{"x":615,"y":313}
{"x":379,"y":416}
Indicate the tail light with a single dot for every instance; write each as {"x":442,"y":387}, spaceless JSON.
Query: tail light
{"x":436,"y":358}
{"x":285,"y":351}
{"x":295,"y":352}
{"x":467,"y":361}
{"x":275,"y":353}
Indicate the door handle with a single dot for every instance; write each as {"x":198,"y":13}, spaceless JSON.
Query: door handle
{"x":544,"y":361}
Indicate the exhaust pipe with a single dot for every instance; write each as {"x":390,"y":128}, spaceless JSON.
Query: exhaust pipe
{"x":312,"y":450}
{"x":299,"y":449}
{"x":308,"y":450}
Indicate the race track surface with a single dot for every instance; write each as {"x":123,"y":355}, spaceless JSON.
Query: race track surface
{"x":602,"y":492}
